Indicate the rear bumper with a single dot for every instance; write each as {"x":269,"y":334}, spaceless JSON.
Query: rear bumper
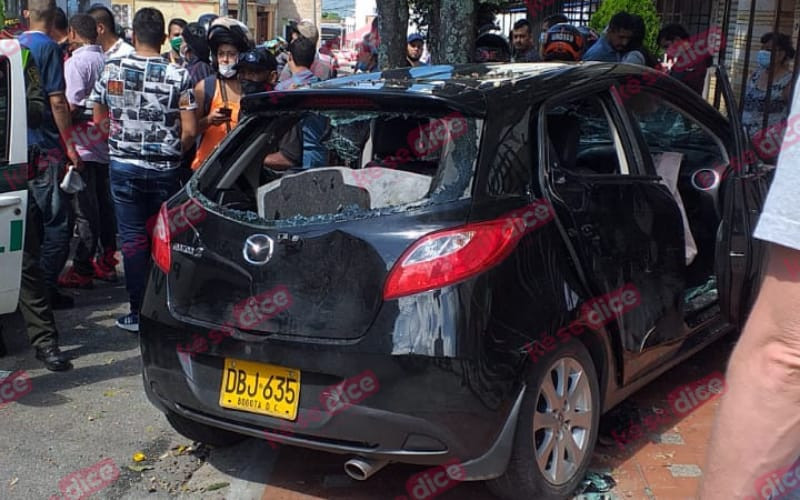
{"x":422,"y":413}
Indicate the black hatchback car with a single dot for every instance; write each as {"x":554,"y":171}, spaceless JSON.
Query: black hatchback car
{"x":490,"y":257}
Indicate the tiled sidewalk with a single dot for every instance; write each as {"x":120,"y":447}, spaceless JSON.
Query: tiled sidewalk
{"x":666,"y":465}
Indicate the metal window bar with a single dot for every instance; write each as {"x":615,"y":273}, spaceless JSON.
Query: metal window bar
{"x":772,"y":62}
{"x":748,"y":46}
{"x":723,"y":50}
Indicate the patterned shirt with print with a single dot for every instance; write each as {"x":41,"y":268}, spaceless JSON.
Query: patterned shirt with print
{"x":121,"y":48}
{"x":145,"y":96}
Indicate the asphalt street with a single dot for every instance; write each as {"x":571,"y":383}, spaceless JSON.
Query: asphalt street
{"x":73,"y":420}
{"x":97,"y":412}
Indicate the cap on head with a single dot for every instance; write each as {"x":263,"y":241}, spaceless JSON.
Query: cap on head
{"x":415,"y":37}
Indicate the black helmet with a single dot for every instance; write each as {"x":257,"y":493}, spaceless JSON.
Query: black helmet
{"x":195,"y":37}
{"x":205,"y":20}
{"x":563,"y":42}
{"x":491,"y":47}
{"x":259,"y":59}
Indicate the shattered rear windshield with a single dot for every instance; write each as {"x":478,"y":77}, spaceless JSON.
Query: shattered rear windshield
{"x":308,"y":166}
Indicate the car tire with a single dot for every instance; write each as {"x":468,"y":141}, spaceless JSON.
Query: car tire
{"x":568,"y":367}
{"x":203,"y":433}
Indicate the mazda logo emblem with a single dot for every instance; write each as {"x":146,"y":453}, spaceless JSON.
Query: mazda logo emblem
{"x":258,"y":249}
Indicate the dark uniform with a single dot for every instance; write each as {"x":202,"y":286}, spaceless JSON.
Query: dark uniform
{"x":33,"y":300}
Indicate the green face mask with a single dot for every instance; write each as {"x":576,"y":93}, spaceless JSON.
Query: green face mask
{"x":175,"y":43}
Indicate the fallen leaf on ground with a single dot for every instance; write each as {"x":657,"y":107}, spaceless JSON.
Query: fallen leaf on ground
{"x":139,"y":456}
{"x":14,"y":481}
{"x":217,"y":486}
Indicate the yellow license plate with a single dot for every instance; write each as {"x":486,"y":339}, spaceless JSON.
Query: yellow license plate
{"x":260,"y":388}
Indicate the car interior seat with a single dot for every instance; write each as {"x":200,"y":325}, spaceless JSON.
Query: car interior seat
{"x":565,"y":134}
{"x":390,"y":137}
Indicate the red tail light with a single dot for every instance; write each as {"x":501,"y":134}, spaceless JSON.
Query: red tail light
{"x":161,"y":241}
{"x":446,"y":257}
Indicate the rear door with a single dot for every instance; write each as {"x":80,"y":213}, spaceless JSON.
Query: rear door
{"x":13,"y":173}
{"x":740,"y":257}
{"x":623,"y":224}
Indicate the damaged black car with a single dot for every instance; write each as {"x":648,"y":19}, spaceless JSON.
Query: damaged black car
{"x":450,"y":265}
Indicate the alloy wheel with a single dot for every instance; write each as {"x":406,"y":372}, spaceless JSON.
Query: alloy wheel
{"x":562,"y":421}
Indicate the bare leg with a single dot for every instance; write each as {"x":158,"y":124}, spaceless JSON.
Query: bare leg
{"x":757,"y":429}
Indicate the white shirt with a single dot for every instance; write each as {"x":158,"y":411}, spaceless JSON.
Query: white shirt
{"x":121,"y":48}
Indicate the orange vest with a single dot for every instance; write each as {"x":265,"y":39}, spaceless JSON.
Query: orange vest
{"x":215,"y":133}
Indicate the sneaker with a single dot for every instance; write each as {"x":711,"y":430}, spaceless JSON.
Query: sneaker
{"x":129,"y":322}
{"x":104,"y":272}
{"x":73,"y":279}
{"x":110,"y":259}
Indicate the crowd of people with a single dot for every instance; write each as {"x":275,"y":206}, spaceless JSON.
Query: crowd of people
{"x":763,"y":111}
{"x":134,"y":121}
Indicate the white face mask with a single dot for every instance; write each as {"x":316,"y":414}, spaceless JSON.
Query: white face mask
{"x":226,"y":70}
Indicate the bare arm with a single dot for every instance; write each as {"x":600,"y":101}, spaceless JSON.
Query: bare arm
{"x":214,"y":117}
{"x":277,"y":161}
{"x":63,"y":118}
{"x":100,"y":117}
{"x":757,"y":428}
{"x":188,"y":129}
{"x":200,"y":98}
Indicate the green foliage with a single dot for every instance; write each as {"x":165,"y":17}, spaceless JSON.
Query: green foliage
{"x":331,"y":16}
{"x":644,"y":8}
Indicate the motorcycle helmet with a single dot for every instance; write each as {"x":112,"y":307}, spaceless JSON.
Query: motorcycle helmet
{"x":230,"y":31}
{"x":563,"y":42}
{"x":491,"y":47}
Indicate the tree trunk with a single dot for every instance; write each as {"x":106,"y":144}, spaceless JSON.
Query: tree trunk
{"x":393,"y":26}
{"x":456,"y":31}
{"x":434,"y":28}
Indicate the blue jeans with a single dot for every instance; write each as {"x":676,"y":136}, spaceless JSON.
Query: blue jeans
{"x":138,"y":194}
{"x":57,"y":217}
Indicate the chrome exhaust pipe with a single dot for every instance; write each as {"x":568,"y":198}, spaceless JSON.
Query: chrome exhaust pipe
{"x":361,"y":469}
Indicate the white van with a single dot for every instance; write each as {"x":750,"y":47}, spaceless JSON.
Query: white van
{"x":13,"y":172}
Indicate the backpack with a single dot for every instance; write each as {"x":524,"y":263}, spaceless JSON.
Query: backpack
{"x":209,"y":88}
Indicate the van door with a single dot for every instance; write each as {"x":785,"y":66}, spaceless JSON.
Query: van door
{"x":13,"y":172}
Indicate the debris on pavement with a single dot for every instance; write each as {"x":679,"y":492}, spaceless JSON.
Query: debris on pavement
{"x":596,"y":486}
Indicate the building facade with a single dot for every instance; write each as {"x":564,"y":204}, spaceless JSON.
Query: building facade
{"x":265,"y":18}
